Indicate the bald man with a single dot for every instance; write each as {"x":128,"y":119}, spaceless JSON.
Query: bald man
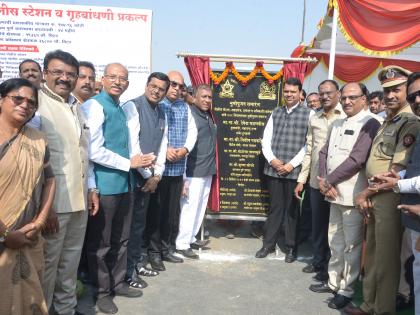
{"x":115,"y":160}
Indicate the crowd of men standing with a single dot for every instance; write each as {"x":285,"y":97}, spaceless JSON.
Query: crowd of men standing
{"x":119,"y":173}
{"x":349,"y":157}
{"x":132,"y":180}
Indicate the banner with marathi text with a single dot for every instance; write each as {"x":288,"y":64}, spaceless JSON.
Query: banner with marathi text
{"x":241,"y":112}
{"x":100,"y":35}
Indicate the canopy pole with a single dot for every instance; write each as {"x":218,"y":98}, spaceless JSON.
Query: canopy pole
{"x":247,"y":59}
{"x":333,"y":45}
{"x":302,"y":39}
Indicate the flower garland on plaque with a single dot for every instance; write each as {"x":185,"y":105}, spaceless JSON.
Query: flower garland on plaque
{"x":259,"y":68}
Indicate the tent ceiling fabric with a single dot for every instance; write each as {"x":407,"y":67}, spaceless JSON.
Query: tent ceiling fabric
{"x":322,"y":44}
{"x":379,"y":27}
{"x":351,"y":64}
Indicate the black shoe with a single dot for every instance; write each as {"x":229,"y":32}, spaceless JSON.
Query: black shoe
{"x":263,"y":252}
{"x":310,"y":269}
{"x":321,"y":288}
{"x":172,"y":258}
{"x":106,"y":305}
{"x":145,"y":272}
{"x":188,"y":253}
{"x":290,"y":255}
{"x":127,"y":291}
{"x":78,"y":313}
{"x":200,"y":243}
{"x":403,"y":302}
{"x":136,"y":282}
{"x":196,"y":247}
{"x":321,"y":276}
{"x":156,"y":263}
{"x":339,"y":301}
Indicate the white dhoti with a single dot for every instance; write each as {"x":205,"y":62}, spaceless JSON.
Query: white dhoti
{"x":193,"y":208}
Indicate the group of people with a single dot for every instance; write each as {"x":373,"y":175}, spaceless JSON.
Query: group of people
{"x":86,"y":177}
{"x":121,"y":186}
{"x":357,"y":160}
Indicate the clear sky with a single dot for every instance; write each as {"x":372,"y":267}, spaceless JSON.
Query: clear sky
{"x":232,"y":27}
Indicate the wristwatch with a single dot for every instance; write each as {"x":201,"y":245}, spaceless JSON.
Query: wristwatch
{"x":396,"y":188}
{"x":96,"y":190}
{"x":3,"y":237}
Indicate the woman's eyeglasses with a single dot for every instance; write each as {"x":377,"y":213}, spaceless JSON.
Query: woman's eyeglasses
{"x":18,"y":100}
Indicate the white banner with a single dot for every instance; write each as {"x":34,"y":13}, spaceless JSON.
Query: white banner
{"x":100,"y":35}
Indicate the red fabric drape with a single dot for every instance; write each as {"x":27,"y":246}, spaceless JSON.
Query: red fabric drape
{"x":199,"y":71}
{"x":381,"y":25}
{"x":353,"y":69}
{"x":294,"y":70}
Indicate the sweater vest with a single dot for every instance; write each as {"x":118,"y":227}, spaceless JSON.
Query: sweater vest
{"x":152,"y":125}
{"x":289,"y":135}
{"x":201,"y":161}
{"x":343,"y":137}
{"x":111,"y":181}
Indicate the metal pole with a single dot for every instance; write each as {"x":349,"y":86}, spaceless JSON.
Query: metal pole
{"x":302,"y":39}
{"x":333,"y":44}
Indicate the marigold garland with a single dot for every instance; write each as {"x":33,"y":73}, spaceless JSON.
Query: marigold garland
{"x":259,"y":68}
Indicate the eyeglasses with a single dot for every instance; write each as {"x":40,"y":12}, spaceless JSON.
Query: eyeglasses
{"x":327,"y":93}
{"x":156,"y":88}
{"x":352,"y":98}
{"x":411,"y":98}
{"x":114,"y":78}
{"x":58,"y":73}
{"x":179,"y":85}
{"x":18,"y":100}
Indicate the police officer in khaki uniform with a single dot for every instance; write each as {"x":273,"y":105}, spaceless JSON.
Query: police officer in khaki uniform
{"x":391,"y":149}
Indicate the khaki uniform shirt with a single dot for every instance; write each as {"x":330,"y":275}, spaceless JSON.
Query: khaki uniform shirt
{"x":315,"y":140}
{"x":393,"y":142}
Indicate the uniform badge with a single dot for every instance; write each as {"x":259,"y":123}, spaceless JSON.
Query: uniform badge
{"x":408,"y":140}
{"x":390,"y":73}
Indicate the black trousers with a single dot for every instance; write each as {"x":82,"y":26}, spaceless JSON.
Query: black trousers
{"x":139,"y":239}
{"x":163,"y":220}
{"x":283,"y":207}
{"x":108,"y":235}
{"x":320,"y":221}
{"x":305,"y":221}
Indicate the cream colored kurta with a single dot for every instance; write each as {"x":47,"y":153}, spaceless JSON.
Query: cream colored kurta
{"x":316,"y":138}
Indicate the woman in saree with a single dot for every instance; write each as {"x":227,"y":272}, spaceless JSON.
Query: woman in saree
{"x":26,"y":193}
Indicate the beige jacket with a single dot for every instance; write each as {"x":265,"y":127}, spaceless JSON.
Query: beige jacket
{"x":68,"y":138}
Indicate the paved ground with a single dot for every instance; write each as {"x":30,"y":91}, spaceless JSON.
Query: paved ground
{"x":227,"y":280}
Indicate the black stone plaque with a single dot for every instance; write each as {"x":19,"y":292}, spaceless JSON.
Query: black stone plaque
{"x":241,"y":113}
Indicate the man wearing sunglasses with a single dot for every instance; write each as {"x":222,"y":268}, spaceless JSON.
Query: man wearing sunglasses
{"x":409,"y":187}
{"x":391,"y":150}
{"x":163,"y":220}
